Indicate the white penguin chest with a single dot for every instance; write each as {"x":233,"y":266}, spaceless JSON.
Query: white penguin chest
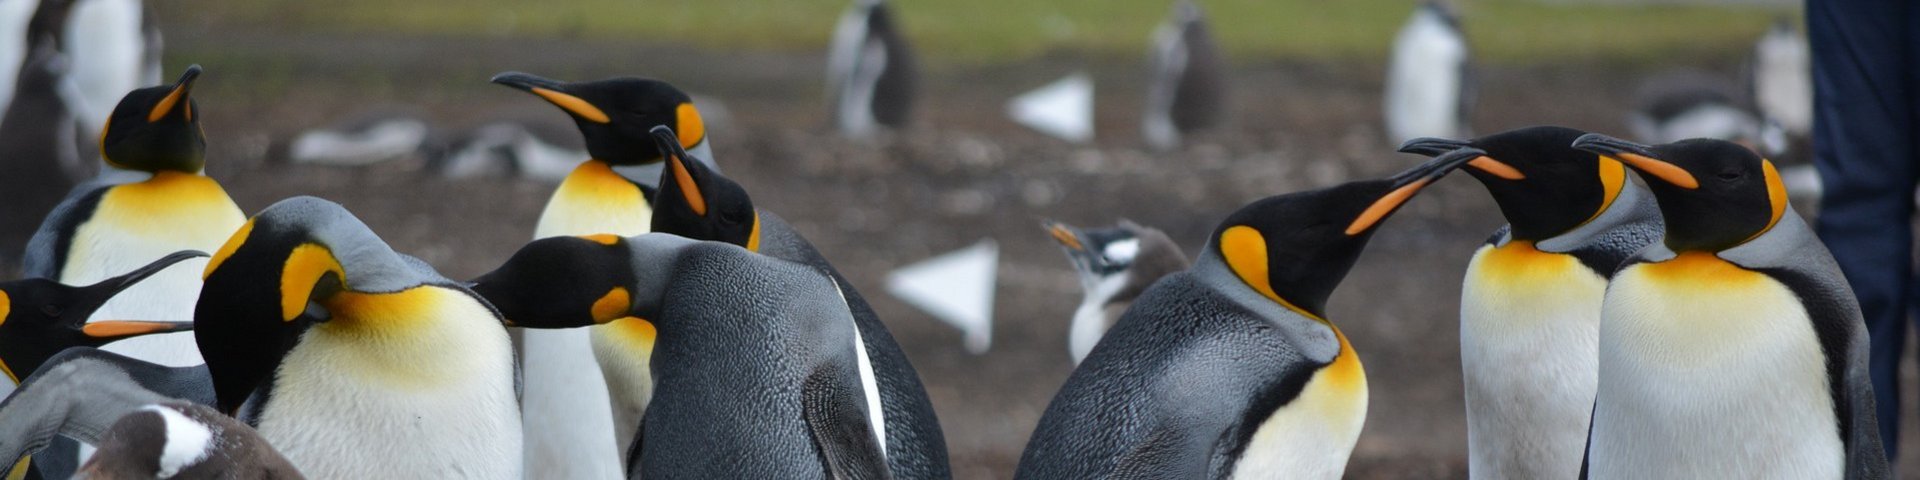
{"x":136,"y":224}
{"x":425,"y":392}
{"x":1312,"y":436}
{"x":1529,"y":328}
{"x":1710,"y":370}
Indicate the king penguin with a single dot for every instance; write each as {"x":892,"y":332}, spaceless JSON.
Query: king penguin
{"x":871,"y":73}
{"x":1530,"y":302}
{"x":36,"y":130}
{"x":1430,"y":84}
{"x":710,"y":301}
{"x":352,"y":359}
{"x":15,"y":42}
{"x":104,"y":228}
{"x":40,"y":317}
{"x":699,"y":203}
{"x":1115,"y":264}
{"x":1230,"y":369}
{"x":567,"y":434}
{"x":1732,"y":348}
{"x":1188,"y":78}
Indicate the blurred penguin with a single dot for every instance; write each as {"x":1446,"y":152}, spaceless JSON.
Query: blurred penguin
{"x":1682,"y":104}
{"x":115,"y":47}
{"x":1188,"y":91}
{"x":1782,"y":79}
{"x":540,"y":150}
{"x":362,"y":139}
{"x":1430,"y":88}
{"x":14,"y":44}
{"x":1115,"y":265}
{"x":36,"y":132}
{"x":871,"y":73}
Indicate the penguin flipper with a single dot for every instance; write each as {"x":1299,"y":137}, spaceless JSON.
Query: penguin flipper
{"x":847,"y":445}
{"x":78,"y":393}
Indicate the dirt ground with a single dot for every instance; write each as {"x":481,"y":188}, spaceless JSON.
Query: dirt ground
{"x":962,"y":174}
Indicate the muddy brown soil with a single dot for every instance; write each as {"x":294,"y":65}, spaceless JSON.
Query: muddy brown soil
{"x":961,"y":174}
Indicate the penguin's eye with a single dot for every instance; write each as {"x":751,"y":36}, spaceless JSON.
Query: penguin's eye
{"x":51,"y":310}
{"x":1730,"y":176}
{"x":733,"y":216}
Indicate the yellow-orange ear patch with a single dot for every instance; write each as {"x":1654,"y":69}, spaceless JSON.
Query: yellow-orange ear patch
{"x":226,"y":250}
{"x":572,"y":104}
{"x":612,"y":306}
{"x":1613,"y":179}
{"x":691,"y":128}
{"x":753,"y":237}
{"x":1496,"y":167}
{"x":306,"y":265}
{"x":1384,"y":206}
{"x":1662,"y":170}
{"x":1776,"y":197}
{"x":603,"y":238}
{"x":1245,"y":251}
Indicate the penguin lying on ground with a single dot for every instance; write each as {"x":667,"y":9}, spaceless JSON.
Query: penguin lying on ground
{"x":712,"y":304}
{"x":1530,"y":303}
{"x":1733,"y":348}
{"x":606,"y":193}
{"x":185,"y":441}
{"x":352,"y":359}
{"x":699,"y":203}
{"x":1115,"y":264}
{"x":1230,"y":369}
{"x":79,"y":393}
{"x":364,"y":139}
{"x":40,"y":317}
{"x":538,"y":150}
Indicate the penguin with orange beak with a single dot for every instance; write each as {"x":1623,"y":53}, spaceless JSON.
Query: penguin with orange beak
{"x":1231,"y":369}
{"x":40,"y":317}
{"x":1732,"y":348}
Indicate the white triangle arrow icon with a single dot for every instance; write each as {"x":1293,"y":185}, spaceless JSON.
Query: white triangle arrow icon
{"x":1062,"y":109}
{"x":956,"y":287}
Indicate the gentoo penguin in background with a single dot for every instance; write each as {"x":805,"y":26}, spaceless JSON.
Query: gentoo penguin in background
{"x":186,"y":441}
{"x":104,"y":229}
{"x":538,"y":150}
{"x":1231,"y":369}
{"x":1733,"y":348}
{"x":1187,"y":90}
{"x":1115,"y":264}
{"x":362,"y":139}
{"x":115,"y":46}
{"x":79,"y":393}
{"x":1430,"y":86}
{"x":41,"y":317}
{"x":352,"y":359}
{"x":1530,"y":303}
{"x":699,"y":203}
{"x":871,"y":74}
{"x":567,"y":434}
{"x":711,"y":302}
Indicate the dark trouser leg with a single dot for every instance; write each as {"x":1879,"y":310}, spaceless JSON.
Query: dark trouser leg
{"x":1863,"y":147}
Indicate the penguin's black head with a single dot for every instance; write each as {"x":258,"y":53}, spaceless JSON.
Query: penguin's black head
{"x":616,"y":114}
{"x":1544,"y":186}
{"x":157,"y":129}
{"x":1295,"y":248}
{"x":563,"y":282}
{"x":1714,"y":194}
{"x":1099,"y":251}
{"x":302,"y":263}
{"x":698,"y":203}
{"x":41,"y":317}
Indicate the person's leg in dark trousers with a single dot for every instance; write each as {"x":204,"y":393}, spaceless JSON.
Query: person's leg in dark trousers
{"x":1864,"y":150}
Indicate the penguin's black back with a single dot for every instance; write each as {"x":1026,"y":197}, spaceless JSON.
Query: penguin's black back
{"x":48,"y":248}
{"x":893,"y":93}
{"x":916,"y":446}
{"x":1175,"y":390}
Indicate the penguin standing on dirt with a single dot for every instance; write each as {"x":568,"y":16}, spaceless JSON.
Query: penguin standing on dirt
{"x":1115,"y":264}
{"x":115,"y":46}
{"x":710,"y":302}
{"x":1530,"y":303}
{"x":871,"y":73}
{"x":352,"y":359}
{"x":1230,"y":369}
{"x":1733,"y":348}
{"x":1187,"y":90}
{"x":1430,"y":85}
{"x":105,"y":228}
{"x":40,"y":317}
{"x":698,"y":203}
{"x":568,"y":436}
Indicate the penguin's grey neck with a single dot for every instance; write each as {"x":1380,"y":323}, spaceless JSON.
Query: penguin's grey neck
{"x":1634,"y":204}
{"x":649,"y":174}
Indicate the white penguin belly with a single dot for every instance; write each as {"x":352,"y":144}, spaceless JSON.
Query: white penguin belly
{"x":136,"y":224}
{"x":427,"y":397}
{"x":1312,"y":436}
{"x":1529,"y":326}
{"x":1710,"y":371}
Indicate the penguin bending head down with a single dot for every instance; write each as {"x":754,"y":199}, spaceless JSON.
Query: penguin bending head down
{"x":1734,"y":347}
{"x":355,"y":360}
{"x":699,"y":203}
{"x":1231,"y":368}
{"x":1530,"y":302}
{"x":1115,"y":264}
{"x":711,"y":301}
{"x":40,"y":317}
